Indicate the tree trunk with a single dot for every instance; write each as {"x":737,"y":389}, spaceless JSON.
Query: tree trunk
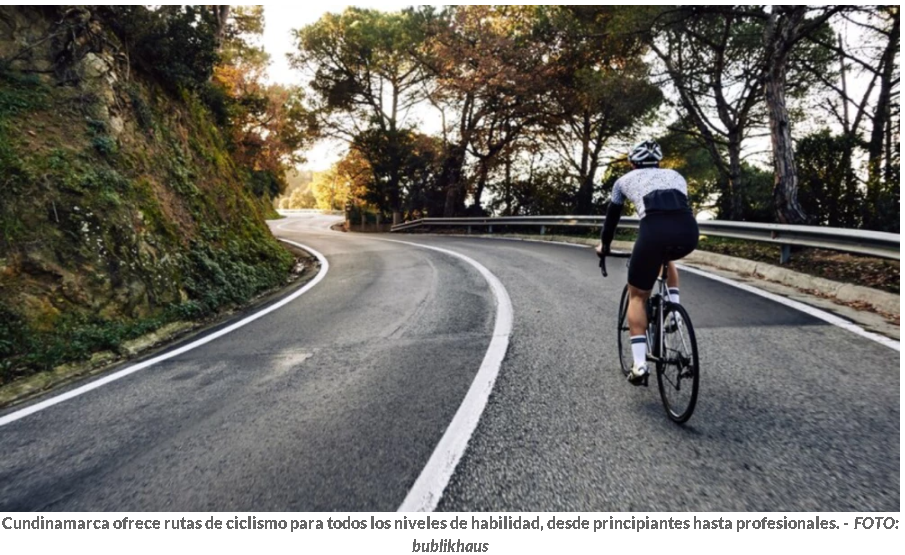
{"x":395,"y":196}
{"x":887,"y":166}
{"x":507,"y":197}
{"x":785,"y":184}
{"x":585,"y":195}
{"x":779,"y":37}
{"x":221,"y":15}
{"x":875,"y":146}
{"x":479,"y":189}
{"x":848,"y":202}
{"x":451,"y":179}
{"x":735,"y":179}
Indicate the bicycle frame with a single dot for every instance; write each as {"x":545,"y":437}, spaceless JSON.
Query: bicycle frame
{"x":655,"y":309}
{"x":656,"y":342}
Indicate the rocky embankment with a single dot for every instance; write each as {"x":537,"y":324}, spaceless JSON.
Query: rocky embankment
{"x":121,"y":209}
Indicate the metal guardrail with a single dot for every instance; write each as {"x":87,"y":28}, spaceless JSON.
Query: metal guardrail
{"x":872,"y":243}
{"x":286,"y":211}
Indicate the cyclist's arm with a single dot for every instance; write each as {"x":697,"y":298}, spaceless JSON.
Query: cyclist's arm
{"x":613,"y":213}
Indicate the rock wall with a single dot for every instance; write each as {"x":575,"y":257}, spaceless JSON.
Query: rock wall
{"x":120,"y":206}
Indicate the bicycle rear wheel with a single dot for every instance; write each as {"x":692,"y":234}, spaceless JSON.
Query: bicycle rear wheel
{"x":624,"y":340}
{"x":678,"y":371}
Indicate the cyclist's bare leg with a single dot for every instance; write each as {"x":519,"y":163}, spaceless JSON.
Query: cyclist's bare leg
{"x":637,"y":311}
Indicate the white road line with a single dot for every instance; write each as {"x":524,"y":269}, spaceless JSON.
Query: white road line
{"x":523,"y":240}
{"x":325,"y":224}
{"x":287,"y":222}
{"x":428,"y":488}
{"x":807,"y":309}
{"x":19,"y":414}
{"x":810,"y":310}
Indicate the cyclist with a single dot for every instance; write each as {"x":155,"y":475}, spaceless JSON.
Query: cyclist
{"x":667,"y":231}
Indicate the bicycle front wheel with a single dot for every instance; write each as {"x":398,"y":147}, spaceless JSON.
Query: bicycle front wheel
{"x":678,"y":372}
{"x":624,"y":340}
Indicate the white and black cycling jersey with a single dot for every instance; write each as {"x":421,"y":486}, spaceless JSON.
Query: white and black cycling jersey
{"x":652,"y":190}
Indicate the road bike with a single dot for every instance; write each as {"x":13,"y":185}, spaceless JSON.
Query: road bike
{"x":671,"y":346}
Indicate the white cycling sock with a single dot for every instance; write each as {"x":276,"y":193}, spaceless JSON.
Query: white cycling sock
{"x":674,"y":295}
{"x":639,"y":349}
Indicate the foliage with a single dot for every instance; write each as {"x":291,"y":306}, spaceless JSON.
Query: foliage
{"x":513,"y":84}
{"x":301,"y":197}
{"x":600,"y":90}
{"x":178,"y":45}
{"x":685,"y":154}
{"x":189,"y":48}
{"x":107,"y":234}
{"x":755,"y":195}
{"x":365,"y":74}
{"x":490,"y":83}
{"x":826,"y":192}
{"x":543,"y":192}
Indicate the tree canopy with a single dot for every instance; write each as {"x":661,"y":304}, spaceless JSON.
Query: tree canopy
{"x":533,"y":107}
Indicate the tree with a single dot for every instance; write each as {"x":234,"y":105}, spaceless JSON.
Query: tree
{"x":685,"y":154}
{"x":785,"y":27}
{"x":882,"y":118}
{"x":363,"y":69}
{"x":485,"y":61}
{"x":600,"y":91}
{"x":268,"y":125}
{"x":330,"y":190}
{"x":300,"y":198}
{"x":714,"y":60}
{"x":176,"y":44}
{"x":871,"y":56}
{"x":826,"y":192}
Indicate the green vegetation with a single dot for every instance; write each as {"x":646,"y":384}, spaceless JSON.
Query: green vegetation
{"x":125,"y":204}
{"x":538,"y":102}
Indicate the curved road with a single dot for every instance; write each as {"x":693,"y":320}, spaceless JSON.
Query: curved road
{"x":337,"y":400}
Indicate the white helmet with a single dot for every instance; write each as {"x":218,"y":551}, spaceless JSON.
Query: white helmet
{"x":645,"y":153}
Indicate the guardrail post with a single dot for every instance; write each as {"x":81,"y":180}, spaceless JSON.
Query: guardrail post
{"x":490,"y":229}
{"x":543,"y":229}
{"x":469,"y":230}
{"x":785,"y":254}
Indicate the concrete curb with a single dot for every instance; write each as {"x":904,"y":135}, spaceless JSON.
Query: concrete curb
{"x":882,"y":301}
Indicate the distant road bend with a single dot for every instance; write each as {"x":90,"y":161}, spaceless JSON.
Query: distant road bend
{"x":337,"y":400}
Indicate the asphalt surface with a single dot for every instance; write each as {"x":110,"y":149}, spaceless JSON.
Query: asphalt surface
{"x":336,"y":401}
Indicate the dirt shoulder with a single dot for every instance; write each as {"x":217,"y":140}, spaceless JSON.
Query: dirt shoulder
{"x":866,"y":271}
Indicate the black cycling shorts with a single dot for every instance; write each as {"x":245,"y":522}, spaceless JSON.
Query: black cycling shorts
{"x":662,"y":236}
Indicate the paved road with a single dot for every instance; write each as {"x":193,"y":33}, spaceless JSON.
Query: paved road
{"x":336,"y":401}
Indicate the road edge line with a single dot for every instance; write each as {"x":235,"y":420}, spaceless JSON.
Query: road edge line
{"x":47,"y":403}
{"x":818,"y":313}
{"x":837,"y":321}
{"x":425,"y":494}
